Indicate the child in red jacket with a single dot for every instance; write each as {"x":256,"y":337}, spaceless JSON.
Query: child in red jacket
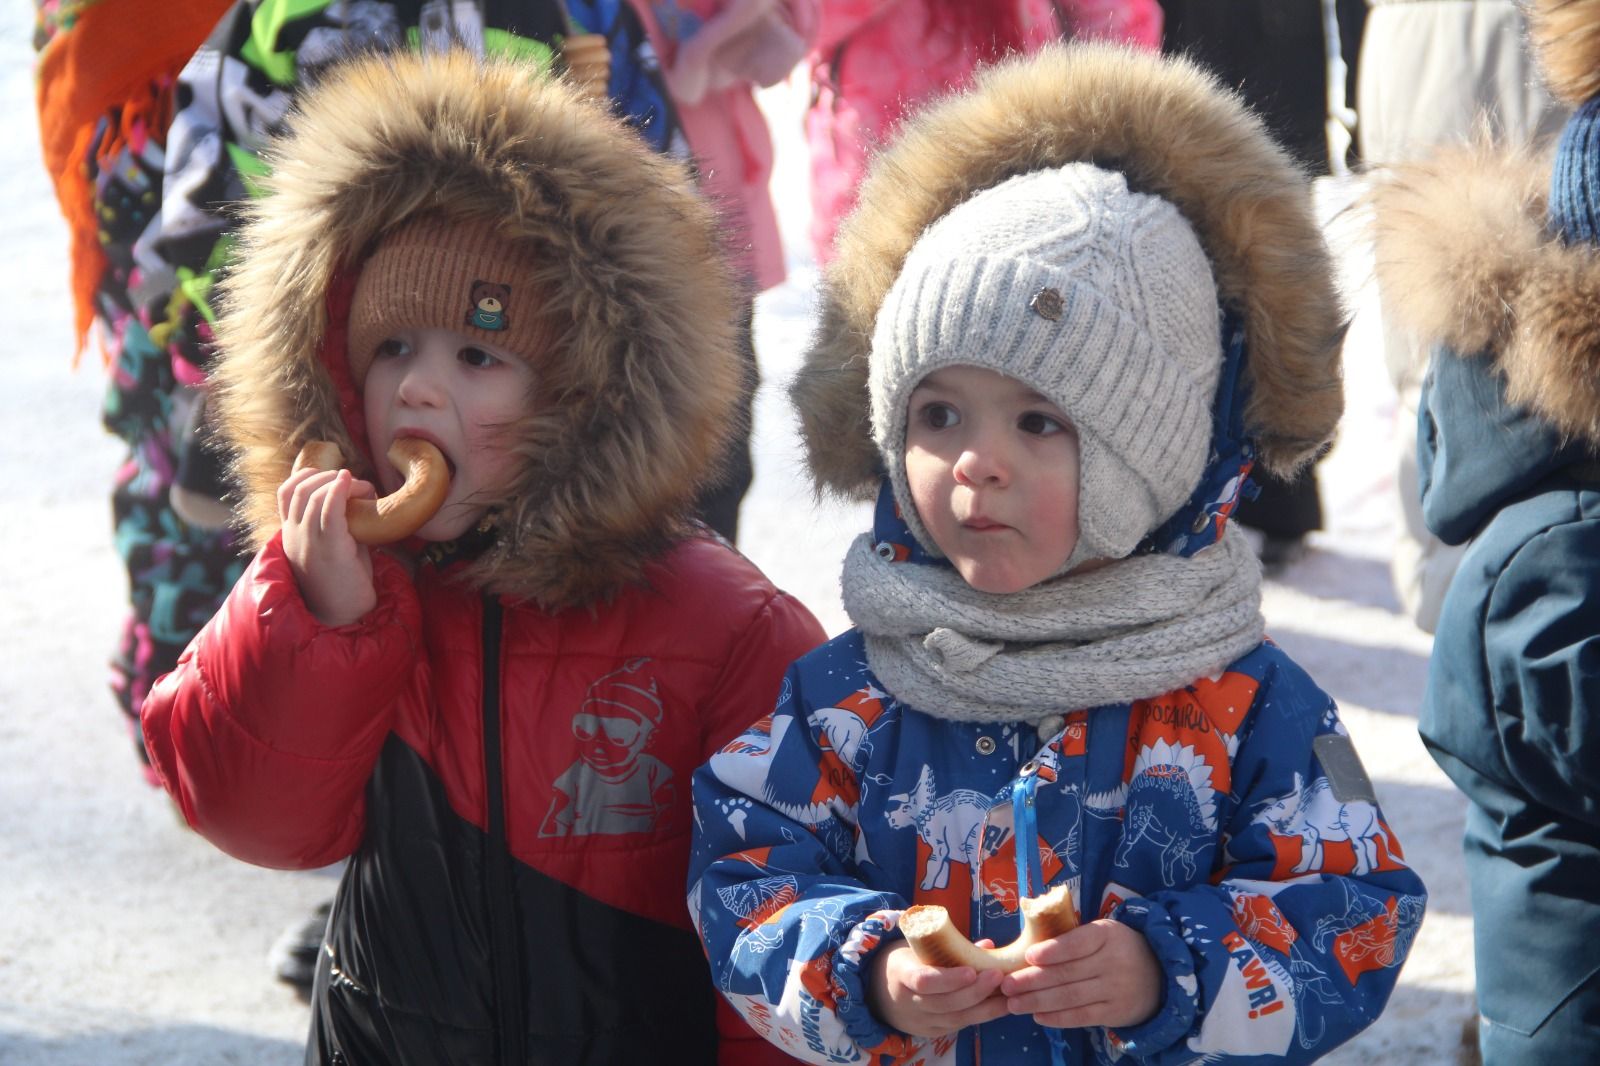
{"x":496,"y":720}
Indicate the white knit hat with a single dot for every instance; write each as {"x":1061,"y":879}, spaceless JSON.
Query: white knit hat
{"x":1099,"y":298}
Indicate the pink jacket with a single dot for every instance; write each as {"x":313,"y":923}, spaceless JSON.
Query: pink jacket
{"x":713,"y":54}
{"x":874,"y":60}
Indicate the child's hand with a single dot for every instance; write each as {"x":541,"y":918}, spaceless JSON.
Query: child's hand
{"x":1103,"y":973}
{"x":333,"y":571}
{"x":928,"y":1000}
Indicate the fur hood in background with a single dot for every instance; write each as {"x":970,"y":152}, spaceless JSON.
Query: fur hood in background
{"x":1464,"y":258}
{"x":1175,"y":133}
{"x":643,"y":383}
{"x":1565,"y":35}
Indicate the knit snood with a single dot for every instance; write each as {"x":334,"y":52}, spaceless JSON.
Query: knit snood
{"x":1135,"y":628}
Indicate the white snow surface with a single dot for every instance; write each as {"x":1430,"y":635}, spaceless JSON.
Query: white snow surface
{"x":126,"y":939}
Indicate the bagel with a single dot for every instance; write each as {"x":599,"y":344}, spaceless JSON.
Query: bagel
{"x":405,"y":510}
{"x":935,"y":940}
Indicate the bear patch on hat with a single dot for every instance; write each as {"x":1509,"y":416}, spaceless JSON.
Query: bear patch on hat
{"x":488,"y":310}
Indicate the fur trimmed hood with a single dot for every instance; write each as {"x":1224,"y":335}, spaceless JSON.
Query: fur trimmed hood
{"x":643,"y":382}
{"x":1464,"y":258}
{"x":1566,"y":36}
{"x":1175,"y":133}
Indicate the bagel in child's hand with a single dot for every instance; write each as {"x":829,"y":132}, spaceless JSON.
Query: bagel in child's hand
{"x":934,"y":939}
{"x":405,"y":510}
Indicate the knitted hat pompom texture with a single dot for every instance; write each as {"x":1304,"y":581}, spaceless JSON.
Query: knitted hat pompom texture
{"x":1566,"y":37}
{"x":1574,"y":209}
{"x":1099,"y":298}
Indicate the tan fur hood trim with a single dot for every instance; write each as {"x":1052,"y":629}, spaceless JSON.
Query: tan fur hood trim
{"x":1175,"y":133}
{"x":1463,"y":258}
{"x":1566,"y":37}
{"x":641,"y":388}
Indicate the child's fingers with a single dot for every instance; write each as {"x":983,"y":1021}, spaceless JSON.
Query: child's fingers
{"x":1076,"y":1017}
{"x":332,"y":504}
{"x":289,"y":486}
{"x":982,"y":987}
{"x":987,"y":1010}
{"x":1118,"y":983}
{"x":1058,"y":998}
{"x":925,"y":980}
{"x":1060,"y":960}
{"x":302,"y":495}
{"x":1080,"y":943}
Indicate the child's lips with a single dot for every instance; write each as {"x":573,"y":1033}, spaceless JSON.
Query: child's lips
{"x":422,"y":434}
{"x":979,"y":524}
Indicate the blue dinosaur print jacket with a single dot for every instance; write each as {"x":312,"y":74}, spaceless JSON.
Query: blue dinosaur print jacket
{"x":1229,"y":821}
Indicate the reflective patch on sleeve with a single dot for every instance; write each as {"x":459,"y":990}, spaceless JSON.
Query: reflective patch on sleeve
{"x":1347,"y":778}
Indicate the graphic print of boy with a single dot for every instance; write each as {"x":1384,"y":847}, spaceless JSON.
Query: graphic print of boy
{"x":615,"y":786}
{"x":1075,"y":322}
{"x":411,"y":708}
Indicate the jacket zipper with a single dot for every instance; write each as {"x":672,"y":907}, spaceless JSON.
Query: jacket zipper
{"x":505,"y":938}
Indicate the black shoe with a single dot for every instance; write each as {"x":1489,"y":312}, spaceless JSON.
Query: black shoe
{"x":293,"y":956}
{"x":1279,"y":553}
{"x":1468,"y":1054}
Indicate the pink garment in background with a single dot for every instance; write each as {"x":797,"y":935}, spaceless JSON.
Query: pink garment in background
{"x":875,"y":60}
{"x":713,"y":91}
{"x":1135,"y":21}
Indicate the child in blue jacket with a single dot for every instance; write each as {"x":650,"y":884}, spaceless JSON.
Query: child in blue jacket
{"x":1072,"y":310}
{"x":1489,"y":255}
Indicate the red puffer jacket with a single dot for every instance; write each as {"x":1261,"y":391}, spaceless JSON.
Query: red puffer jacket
{"x":503,"y":744}
{"x":513,"y":785}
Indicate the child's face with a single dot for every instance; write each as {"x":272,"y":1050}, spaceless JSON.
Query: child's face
{"x":993,"y":472}
{"x":463,"y":395}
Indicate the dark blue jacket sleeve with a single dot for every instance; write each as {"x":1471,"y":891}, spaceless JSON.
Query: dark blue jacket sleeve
{"x":786,"y":924}
{"x":1510,"y":715}
{"x":1296,"y":943}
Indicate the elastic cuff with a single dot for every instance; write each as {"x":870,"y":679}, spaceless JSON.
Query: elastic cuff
{"x":877,"y":930}
{"x":1175,"y":1018}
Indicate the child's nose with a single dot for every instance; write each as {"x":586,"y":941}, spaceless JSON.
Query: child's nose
{"x":421,"y":386}
{"x":981,"y":462}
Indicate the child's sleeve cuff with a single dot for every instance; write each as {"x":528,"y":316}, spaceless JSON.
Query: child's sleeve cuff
{"x":873,"y":933}
{"x":1173,"y":1021}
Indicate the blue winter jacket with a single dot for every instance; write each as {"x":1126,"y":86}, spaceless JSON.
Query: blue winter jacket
{"x":1230,"y":821}
{"x":1512,"y":707}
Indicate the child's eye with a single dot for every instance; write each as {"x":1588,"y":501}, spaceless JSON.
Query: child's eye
{"x":1040,"y":424}
{"x":476,"y":357}
{"x":392,"y":347}
{"x":939,"y":415}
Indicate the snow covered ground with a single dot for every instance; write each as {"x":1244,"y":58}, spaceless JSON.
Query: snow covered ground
{"x":125,"y":939}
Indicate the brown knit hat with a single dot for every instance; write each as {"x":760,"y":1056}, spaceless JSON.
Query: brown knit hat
{"x":436,"y":272}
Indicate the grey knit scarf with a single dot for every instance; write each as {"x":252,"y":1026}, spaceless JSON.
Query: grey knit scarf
{"x":1132,"y":629}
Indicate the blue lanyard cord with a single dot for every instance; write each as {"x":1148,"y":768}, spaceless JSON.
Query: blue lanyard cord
{"x":1030,"y":874}
{"x":1025,"y":827}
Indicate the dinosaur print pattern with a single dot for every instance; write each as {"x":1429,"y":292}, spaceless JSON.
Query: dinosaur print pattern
{"x":1180,"y":816}
{"x":1310,"y":822}
{"x":950,"y":825}
{"x":1172,"y":806}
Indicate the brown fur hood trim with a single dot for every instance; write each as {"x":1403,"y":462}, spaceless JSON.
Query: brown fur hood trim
{"x":1463,"y":258}
{"x":641,"y":388}
{"x":1175,"y":133}
{"x":1566,"y":38}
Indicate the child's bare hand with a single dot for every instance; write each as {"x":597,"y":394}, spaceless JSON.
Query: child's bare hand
{"x":926,"y":1000}
{"x":333,"y":571}
{"x":1103,"y":973}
